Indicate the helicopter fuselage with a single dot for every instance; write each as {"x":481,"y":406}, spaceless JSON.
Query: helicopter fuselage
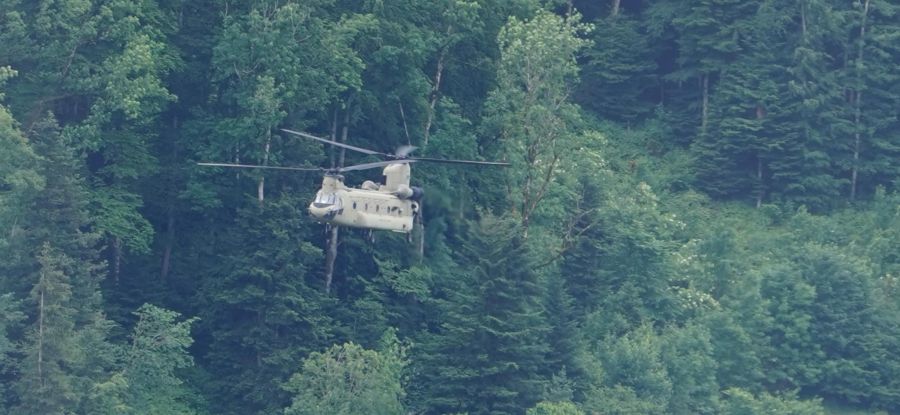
{"x":384,"y":207}
{"x":393,"y":205}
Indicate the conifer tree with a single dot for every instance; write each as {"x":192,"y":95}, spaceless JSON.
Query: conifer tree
{"x":871,"y":78}
{"x":46,"y":383}
{"x":263,"y":309}
{"x":810,"y":116}
{"x":67,"y":348}
{"x":710,"y":35}
{"x":733,"y":154}
{"x":619,"y":72}
{"x":11,"y":319}
{"x":489,"y":353}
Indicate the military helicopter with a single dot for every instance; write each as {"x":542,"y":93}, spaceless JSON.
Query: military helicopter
{"x":392,"y":206}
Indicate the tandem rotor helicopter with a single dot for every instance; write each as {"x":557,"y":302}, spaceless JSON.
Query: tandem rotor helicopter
{"x":392,"y":206}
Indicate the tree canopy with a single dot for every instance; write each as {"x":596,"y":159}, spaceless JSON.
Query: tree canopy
{"x":701,"y":213}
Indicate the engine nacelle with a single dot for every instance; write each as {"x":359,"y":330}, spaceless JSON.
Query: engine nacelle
{"x":411,"y":193}
{"x":418,"y":192}
{"x":369,"y":185}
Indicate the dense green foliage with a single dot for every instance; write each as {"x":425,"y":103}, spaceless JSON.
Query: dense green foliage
{"x":702,"y":213}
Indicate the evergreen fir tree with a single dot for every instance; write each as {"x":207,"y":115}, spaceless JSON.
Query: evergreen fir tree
{"x":46,"y":383}
{"x":488,"y":355}
{"x":67,"y":349}
{"x":811,"y":112}
{"x":733,"y":154}
{"x":11,"y":318}
{"x":264,"y":309}
{"x":619,"y":72}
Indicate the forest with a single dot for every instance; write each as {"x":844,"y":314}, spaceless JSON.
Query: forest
{"x":701,"y":215}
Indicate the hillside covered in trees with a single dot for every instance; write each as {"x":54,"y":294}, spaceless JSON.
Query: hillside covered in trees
{"x":701,"y":216}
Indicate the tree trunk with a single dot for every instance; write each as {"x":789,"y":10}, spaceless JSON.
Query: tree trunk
{"x":419,"y":223}
{"x":261,"y":189}
{"x":334,"y":121}
{"x":170,"y":213}
{"x":856,"y":143}
{"x":615,"y":8}
{"x":330,"y":256}
{"x":117,"y":258}
{"x":170,"y":241}
{"x":403,"y":118}
{"x":803,"y":19}
{"x":760,"y":114}
{"x":332,"y":246}
{"x":40,"y":359}
{"x":705,"y":108}
{"x":344,"y":131}
{"x":759,"y":179}
{"x":857,"y":138}
{"x":435,"y":90}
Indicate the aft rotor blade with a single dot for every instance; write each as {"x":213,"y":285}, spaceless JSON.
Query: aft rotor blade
{"x":335,"y":143}
{"x":253,"y":166}
{"x":449,"y":161}
{"x":366,"y":166}
{"x":404,"y":151}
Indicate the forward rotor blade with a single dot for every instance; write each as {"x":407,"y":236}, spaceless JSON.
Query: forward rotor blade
{"x":335,"y":143}
{"x":449,"y":161}
{"x":376,"y":164}
{"x":253,"y":166}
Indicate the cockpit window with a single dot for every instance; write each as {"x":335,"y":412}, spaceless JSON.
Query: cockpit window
{"x":326,"y":199}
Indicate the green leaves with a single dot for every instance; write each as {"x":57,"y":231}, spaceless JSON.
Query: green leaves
{"x":348,"y":379}
{"x":529,"y":111}
{"x":117,"y":215}
{"x":741,"y":402}
{"x":588,"y":277}
{"x":17,"y":159}
{"x":159,"y":348}
{"x":554,"y":408}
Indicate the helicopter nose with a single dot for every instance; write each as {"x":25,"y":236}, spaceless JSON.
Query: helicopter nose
{"x":318,"y":210}
{"x":326,"y":211}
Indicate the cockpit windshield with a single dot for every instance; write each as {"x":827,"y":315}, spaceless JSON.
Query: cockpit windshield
{"x":326,"y":199}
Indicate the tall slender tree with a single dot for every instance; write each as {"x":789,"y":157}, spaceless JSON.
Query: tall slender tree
{"x":530,"y":111}
{"x":489,"y":353}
